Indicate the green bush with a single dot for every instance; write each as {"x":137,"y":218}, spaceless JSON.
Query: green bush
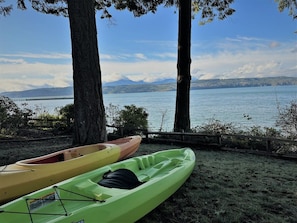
{"x":67,"y":114}
{"x":130,"y":120}
{"x":10,"y":116}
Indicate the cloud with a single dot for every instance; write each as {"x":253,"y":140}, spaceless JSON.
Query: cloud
{"x":11,"y":61}
{"x":230,"y":58}
{"x":245,"y":64}
{"x":294,"y":49}
{"x":49,"y":55}
{"x":147,"y":70}
{"x":140,"y":56}
{"x":251,"y":58}
{"x":241,"y":39}
{"x":274,"y":44}
{"x":166,"y":55}
{"x":22,"y":76}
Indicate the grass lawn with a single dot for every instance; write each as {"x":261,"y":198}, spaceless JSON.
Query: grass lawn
{"x":231,"y":187}
{"x":224,"y":186}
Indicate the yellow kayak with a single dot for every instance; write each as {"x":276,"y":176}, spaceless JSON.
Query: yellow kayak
{"x":121,"y":192}
{"x":29,"y":175}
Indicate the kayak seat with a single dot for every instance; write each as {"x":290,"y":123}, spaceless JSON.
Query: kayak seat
{"x":121,"y":178}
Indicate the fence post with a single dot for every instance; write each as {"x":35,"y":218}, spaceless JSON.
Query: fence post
{"x":219,"y":139}
{"x":268,"y":145}
{"x":121,"y":131}
{"x":182,"y":135}
{"x":146,"y":135}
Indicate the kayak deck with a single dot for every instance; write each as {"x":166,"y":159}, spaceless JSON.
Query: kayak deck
{"x":33,"y":174}
{"x":82,"y":198}
{"x":75,"y":152}
{"x":67,"y":154}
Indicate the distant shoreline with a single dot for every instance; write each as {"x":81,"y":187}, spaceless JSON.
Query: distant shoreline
{"x":42,"y":98}
{"x":67,"y":92}
{"x":48,"y":98}
{"x":45,"y":98}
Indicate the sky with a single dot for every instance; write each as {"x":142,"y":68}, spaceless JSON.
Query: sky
{"x":256,"y":41}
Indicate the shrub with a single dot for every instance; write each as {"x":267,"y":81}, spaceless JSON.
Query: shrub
{"x":287,"y":120}
{"x":214,"y":126}
{"x":112,"y":114}
{"x":67,"y":113}
{"x":26,"y":114}
{"x":132,"y":120}
{"x":10,"y":116}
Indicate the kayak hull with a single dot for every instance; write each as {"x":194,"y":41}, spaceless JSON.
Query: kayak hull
{"x":82,"y":198}
{"x":29,"y":175}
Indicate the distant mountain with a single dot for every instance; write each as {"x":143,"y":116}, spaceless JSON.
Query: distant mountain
{"x":165,"y":81}
{"x":127,"y":81}
{"x":129,"y":86}
{"x":40,"y":92}
{"x":124,"y":81}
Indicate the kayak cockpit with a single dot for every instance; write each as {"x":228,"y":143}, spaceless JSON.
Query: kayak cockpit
{"x":65,"y":155}
{"x":120,"y":178}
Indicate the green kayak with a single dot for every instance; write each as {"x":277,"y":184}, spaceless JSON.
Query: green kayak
{"x":120,"y":192}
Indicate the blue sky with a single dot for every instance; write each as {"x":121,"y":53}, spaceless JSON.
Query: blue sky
{"x":257,"y":41}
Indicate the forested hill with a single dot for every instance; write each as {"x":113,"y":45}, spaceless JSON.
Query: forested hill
{"x":204,"y":84}
{"x":134,"y":87}
{"x":244,"y":82}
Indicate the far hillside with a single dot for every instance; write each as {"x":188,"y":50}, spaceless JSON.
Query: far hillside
{"x":129,"y":86}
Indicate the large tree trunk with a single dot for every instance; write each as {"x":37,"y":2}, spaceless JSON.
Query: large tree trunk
{"x":89,"y":119}
{"x":182,"y":109}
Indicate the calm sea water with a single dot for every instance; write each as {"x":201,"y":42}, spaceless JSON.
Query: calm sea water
{"x":229,"y":105}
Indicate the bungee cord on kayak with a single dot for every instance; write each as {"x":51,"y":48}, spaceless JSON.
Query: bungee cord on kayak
{"x":51,"y":199}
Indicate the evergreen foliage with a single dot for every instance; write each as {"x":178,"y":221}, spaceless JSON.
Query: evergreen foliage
{"x":5,"y":10}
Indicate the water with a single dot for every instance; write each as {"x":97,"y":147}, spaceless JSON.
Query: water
{"x":229,"y":105}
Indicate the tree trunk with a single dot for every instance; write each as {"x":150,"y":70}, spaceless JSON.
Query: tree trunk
{"x":89,"y":112}
{"x":182,"y":109}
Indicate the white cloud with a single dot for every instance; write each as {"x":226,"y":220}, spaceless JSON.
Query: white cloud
{"x":147,"y":70}
{"x":238,"y":58}
{"x":274,"y":44}
{"x":256,"y":59}
{"x":166,"y":55}
{"x":23,"y":76}
{"x":140,"y":56}
{"x":11,"y":61}
{"x":49,"y":55}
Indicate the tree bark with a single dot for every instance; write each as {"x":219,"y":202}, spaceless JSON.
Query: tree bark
{"x":182,"y":109}
{"x":89,"y":114}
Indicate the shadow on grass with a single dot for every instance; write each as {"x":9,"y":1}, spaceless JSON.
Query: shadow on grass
{"x":224,"y":186}
{"x":231,"y":187}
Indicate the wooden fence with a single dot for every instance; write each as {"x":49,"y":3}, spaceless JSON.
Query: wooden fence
{"x":47,"y":122}
{"x":243,"y":143}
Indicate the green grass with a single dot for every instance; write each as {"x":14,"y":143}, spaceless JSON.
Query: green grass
{"x":232,"y":187}
{"x":224,"y":186}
